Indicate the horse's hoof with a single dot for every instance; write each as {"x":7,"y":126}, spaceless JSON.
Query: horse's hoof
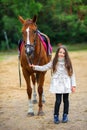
{"x":34,"y":101}
{"x":30,"y":114}
{"x":41,"y":113}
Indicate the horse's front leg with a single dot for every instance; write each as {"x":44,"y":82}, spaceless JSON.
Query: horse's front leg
{"x":40,"y":92}
{"x":34,"y":88}
{"x":29,"y":92}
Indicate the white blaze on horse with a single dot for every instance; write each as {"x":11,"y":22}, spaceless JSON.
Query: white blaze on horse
{"x":34,"y":51}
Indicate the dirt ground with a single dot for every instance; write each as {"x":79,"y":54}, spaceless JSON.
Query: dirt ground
{"x":14,"y":101}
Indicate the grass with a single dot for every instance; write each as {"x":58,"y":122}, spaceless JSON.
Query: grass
{"x":70,"y":47}
{"x":6,"y":54}
{"x":74,"y":47}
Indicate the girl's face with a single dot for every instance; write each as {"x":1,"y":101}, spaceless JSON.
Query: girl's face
{"x":61,"y":53}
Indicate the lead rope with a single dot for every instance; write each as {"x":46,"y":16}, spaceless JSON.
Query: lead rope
{"x":19,"y":68}
{"x":29,"y":61}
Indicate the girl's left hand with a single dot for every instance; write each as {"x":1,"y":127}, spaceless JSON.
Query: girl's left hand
{"x":73,"y":89}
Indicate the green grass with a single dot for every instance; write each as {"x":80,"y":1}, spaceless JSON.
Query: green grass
{"x":70,"y":47}
{"x":74,"y":47}
{"x":6,"y":54}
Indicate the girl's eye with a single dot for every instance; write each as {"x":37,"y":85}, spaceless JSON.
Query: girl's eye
{"x":60,"y":52}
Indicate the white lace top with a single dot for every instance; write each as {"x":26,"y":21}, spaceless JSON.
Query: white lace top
{"x":60,"y":81}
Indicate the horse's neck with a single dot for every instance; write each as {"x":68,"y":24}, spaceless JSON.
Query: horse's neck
{"x":40,"y":54}
{"x":45,"y":36}
{"x":39,"y":46}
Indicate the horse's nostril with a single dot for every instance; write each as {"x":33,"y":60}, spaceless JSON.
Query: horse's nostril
{"x":29,"y":49}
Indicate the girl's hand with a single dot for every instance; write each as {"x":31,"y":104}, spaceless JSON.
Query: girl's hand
{"x":73,"y":89}
{"x":32,"y":65}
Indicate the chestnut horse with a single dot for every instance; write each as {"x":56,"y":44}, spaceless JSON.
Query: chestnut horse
{"x":33,"y":52}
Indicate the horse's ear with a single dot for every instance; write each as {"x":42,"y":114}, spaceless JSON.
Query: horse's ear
{"x":21,"y":19}
{"x":34,"y":18}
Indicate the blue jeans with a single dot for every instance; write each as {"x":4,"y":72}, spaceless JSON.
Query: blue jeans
{"x":58,"y":102}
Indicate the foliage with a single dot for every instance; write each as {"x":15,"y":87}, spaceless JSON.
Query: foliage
{"x":62,"y":20}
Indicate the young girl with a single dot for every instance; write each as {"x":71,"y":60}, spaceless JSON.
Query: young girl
{"x":63,"y":80}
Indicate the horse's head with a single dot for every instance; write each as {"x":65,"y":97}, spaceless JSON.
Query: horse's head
{"x":29,"y":31}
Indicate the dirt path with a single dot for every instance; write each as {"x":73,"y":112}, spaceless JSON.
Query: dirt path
{"x":14,"y":101}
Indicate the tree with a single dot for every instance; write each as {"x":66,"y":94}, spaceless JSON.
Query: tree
{"x":61,"y":20}
{"x":9,"y":17}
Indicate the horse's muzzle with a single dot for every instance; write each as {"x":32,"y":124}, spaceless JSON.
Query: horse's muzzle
{"x":29,"y":49}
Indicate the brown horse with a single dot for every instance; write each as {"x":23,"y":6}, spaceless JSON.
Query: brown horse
{"x":33,"y":51}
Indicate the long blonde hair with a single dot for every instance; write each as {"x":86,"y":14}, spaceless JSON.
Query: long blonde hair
{"x":68,"y":64}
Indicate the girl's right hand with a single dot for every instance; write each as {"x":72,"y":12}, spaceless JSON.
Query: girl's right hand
{"x":32,"y":65}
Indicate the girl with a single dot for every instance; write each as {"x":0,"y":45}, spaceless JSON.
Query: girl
{"x":63,"y":80}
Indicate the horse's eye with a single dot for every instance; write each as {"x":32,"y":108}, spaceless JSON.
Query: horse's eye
{"x":23,"y":33}
{"x":34,"y":31}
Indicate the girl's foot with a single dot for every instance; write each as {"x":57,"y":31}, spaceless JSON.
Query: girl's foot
{"x":56,"y":119}
{"x":65,"y":118}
